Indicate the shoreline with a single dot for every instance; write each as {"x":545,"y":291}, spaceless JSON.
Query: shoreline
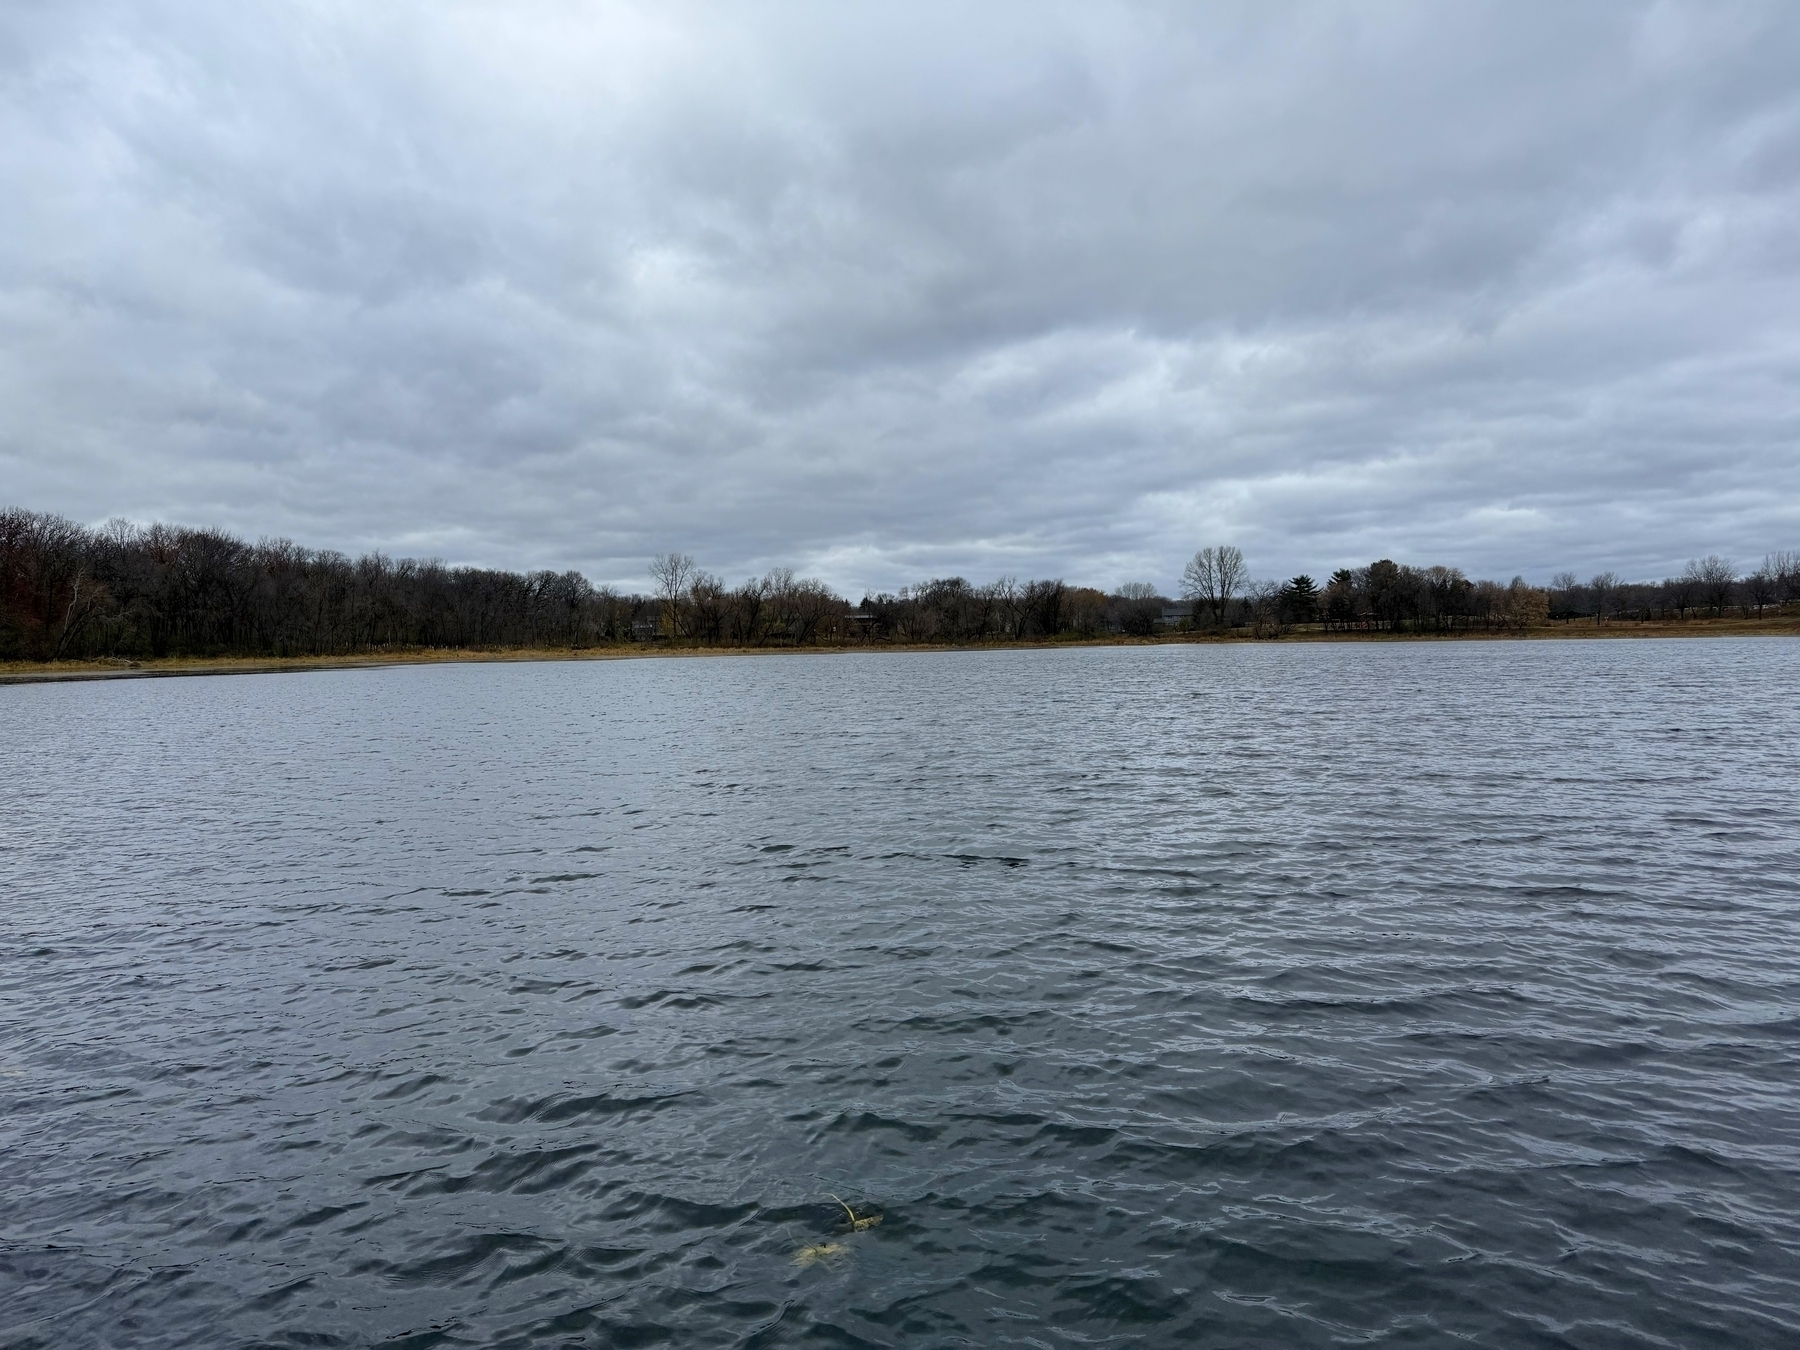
{"x":67,"y":672}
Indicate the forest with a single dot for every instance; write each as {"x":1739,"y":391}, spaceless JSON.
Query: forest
{"x":125,"y":591}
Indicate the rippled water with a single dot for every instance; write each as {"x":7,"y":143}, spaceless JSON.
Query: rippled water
{"x":1224,"y":996}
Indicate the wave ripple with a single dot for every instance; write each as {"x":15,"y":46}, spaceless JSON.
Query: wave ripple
{"x":1272,"y":996}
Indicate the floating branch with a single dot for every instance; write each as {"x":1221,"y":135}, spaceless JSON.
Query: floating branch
{"x":856,"y":1224}
{"x":820,"y":1251}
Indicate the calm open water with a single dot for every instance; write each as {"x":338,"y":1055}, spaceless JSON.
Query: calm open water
{"x":1400,"y":994}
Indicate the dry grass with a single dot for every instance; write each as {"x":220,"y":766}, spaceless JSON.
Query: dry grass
{"x":1769,"y":626}
{"x":17,"y":672}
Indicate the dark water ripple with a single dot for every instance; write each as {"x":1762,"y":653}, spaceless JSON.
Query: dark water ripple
{"x":1398,"y":995}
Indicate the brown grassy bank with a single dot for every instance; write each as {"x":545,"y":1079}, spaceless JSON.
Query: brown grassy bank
{"x":40,"y":672}
{"x":1770,"y":625}
{"x":33,"y":672}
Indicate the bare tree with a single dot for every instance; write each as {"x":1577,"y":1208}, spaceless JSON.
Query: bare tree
{"x":1086,"y":609}
{"x":795,"y":606}
{"x":1009,"y":601}
{"x":707,"y":602}
{"x":1760,"y":589}
{"x":749,"y":603}
{"x":1043,"y":603}
{"x":1715,"y":579}
{"x":1200,"y":579}
{"x":612,"y":616}
{"x":1138,"y":609}
{"x":1267,"y":618}
{"x":1605,"y":590}
{"x":1212,"y":577}
{"x":1679,"y":591}
{"x":1785,"y":568}
{"x":778,"y":594}
{"x":83,"y":608}
{"x":1443,"y":594}
{"x":1565,"y":594}
{"x":673,"y":574}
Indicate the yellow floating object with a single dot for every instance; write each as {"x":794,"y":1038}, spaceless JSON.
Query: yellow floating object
{"x":820,"y":1251}
{"x":856,"y":1224}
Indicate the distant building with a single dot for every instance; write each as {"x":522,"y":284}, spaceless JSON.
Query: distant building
{"x":1175,"y":614}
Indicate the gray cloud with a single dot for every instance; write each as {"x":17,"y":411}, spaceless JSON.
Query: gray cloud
{"x":881,"y":295}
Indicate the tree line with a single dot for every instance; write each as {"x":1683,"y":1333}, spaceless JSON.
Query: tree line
{"x":128,"y":591}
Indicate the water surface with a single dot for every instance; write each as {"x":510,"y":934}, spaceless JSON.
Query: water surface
{"x":1226,"y":996}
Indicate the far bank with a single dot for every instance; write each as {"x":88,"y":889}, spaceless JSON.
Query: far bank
{"x":29,"y":672}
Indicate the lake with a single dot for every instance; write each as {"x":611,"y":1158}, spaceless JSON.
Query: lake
{"x":1275,"y":995}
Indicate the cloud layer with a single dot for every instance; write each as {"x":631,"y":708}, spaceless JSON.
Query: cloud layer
{"x":1050,"y":290}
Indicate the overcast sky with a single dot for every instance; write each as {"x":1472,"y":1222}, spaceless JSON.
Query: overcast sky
{"x":884,"y":293}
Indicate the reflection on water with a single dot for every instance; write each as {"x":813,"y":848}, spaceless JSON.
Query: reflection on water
{"x":1227,"y":996}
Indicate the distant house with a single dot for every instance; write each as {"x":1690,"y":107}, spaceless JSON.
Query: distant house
{"x":1175,"y":614}
{"x":646,"y":628}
